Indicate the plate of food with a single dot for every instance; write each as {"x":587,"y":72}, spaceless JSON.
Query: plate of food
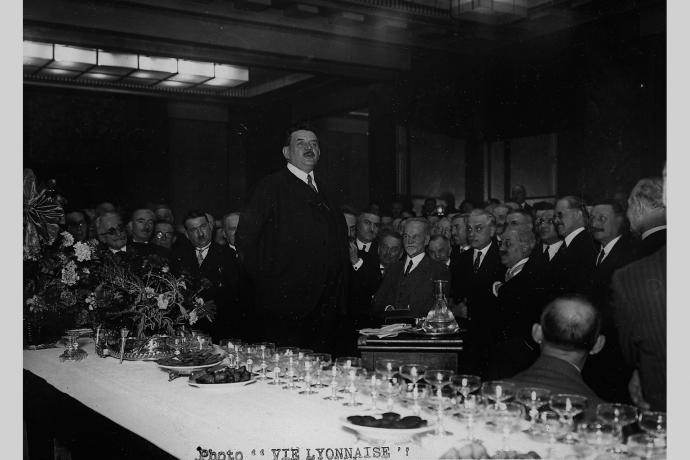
{"x":188,"y":362}
{"x":387,"y":426}
{"x":221,"y":378}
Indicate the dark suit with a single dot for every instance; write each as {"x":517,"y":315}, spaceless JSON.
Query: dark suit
{"x":544,"y":273}
{"x":222,"y":276}
{"x":558,"y":376}
{"x":416,"y":289}
{"x":293,"y":244}
{"x":652,"y":243}
{"x":639,"y":299}
{"x":606,"y":372}
{"x":476,"y":288}
{"x":518,"y":306}
{"x":573,"y":270}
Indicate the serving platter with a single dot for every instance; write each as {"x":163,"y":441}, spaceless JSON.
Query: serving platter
{"x":387,"y":434}
{"x":184,"y":370}
{"x":221,"y":386}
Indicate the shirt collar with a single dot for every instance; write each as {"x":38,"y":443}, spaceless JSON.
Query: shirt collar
{"x":362,"y":244}
{"x":553,"y":248}
{"x":415,"y":260}
{"x":517,"y":268}
{"x":203,"y":248}
{"x":569,"y":239}
{"x":484,"y":250}
{"x":653,"y":230}
{"x":301,"y":175}
{"x":122,"y":249}
{"x":611,"y":244}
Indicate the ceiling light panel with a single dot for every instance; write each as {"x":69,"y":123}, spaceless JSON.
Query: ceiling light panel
{"x":73,"y":58}
{"x":37,"y":53}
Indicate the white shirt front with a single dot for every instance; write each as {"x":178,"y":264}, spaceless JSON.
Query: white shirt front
{"x":569,"y":239}
{"x":482,"y":252}
{"x":204,"y":251}
{"x":608,"y":247}
{"x":122,"y":249}
{"x":362,"y":246}
{"x":553,"y":248}
{"x":301,"y":175}
{"x":415,"y":261}
{"x":515,"y":269}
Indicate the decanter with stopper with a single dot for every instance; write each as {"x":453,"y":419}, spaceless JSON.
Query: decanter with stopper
{"x":440,"y":319}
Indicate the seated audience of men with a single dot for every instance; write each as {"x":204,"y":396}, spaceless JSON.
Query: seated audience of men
{"x":647,"y":215}
{"x":568,"y":332}
{"x":439,"y":249}
{"x":518,"y":305}
{"x":407,"y":287}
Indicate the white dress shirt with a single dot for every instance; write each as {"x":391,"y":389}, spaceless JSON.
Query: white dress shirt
{"x":301,"y":175}
{"x":415,"y":261}
{"x":608,"y":247}
{"x":569,"y":239}
{"x":553,"y":248}
{"x":483,"y":254}
{"x":362,"y":246}
{"x":204,"y":251}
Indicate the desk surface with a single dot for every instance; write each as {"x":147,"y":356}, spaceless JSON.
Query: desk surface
{"x":178,"y":418}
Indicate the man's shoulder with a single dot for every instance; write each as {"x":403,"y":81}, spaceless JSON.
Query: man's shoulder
{"x":641,"y":266}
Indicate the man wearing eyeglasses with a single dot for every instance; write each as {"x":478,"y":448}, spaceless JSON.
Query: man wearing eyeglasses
{"x":292,"y":240}
{"x":112,"y":234}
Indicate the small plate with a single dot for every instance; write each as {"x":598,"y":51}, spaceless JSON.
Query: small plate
{"x":221,"y":386}
{"x":387,"y":434}
{"x":188,"y":369}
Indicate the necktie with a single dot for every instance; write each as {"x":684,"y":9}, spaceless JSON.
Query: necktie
{"x":601,"y":256}
{"x":545,"y":254}
{"x":200,"y":256}
{"x":310,"y":183}
{"x":477,"y":260}
{"x":409,"y":268}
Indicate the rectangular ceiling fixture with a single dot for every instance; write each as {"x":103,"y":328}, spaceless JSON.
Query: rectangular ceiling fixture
{"x":193,"y":71}
{"x":229,"y":76}
{"x":115,"y":63}
{"x":37,"y":54}
{"x":155,"y":67}
{"x":73,"y":58}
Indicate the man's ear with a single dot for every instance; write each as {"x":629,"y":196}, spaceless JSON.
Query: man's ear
{"x":601,"y":341}
{"x":286,"y":152}
{"x":537,"y":333}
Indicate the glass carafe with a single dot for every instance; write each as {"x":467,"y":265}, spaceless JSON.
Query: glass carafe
{"x":440,"y":320}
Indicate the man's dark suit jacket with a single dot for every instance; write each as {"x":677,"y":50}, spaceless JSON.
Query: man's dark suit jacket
{"x":544,"y":271}
{"x":518,"y":306}
{"x":639,"y":299}
{"x":558,"y":376}
{"x":606,"y":372}
{"x":652,"y":243}
{"x":575,"y":265}
{"x":416,"y":289}
{"x":222,"y":273}
{"x":293,"y":243}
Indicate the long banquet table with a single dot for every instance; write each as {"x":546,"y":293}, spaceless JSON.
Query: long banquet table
{"x":258,"y":420}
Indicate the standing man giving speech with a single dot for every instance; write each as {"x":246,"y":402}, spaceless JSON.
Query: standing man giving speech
{"x":293,"y":242}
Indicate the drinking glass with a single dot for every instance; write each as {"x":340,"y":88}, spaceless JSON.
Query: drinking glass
{"x":289,"y":368}
{"x":506,"y":417}
{"x":465,"y":384}
{"x":471,"y":410}
{"x":439,"y":378}
{"x":645,"y":446}
{"x":414,"y":394}
{"x":264,"y":352}
{"x":533,"y":398}
{"x":334,"y":374}
{"x":413,"y":372}
{"x":372,"y":386}
{"x":352,"y":381}
{"x":618,"y":415}
{"x":307,"y":374}
{"x":498,"y":391}
{"x":321,"y":361}
{"x":597,"y":435}
{"x":348,"y":361}
{"x":549,"y":427}
{"x":653,"y":423}
{"x":388,"y":367}
{"x":390,"y":388}
{"x":277,"y":369}
{"x":568,"y":406}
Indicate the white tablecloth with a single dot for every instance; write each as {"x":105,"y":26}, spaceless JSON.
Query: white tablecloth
{"x":179,"y":418}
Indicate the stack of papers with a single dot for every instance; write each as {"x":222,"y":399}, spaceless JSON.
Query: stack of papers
{"x":389,"y":330}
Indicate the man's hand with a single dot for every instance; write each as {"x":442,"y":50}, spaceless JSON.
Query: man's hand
{"x":354,"y":257}
{"x":635,"y":390}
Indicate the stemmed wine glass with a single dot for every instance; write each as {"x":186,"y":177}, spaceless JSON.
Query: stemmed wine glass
{"x":506,"y":417}
{"x":307,"y":375}
{"x":567,"y":406}
{"x":391,"y":388}
{"x":345,"y":363}
{"x":289,"y":364}
{"x":533,"y":398}
{"x":334,"y":373}
{"x":413,"y":372}
{"x":371,"y":386}
{"x":439,"y":378}
{"x":352,"y":377}
{"x":498,"y":391}
{"x":618,"y":415}
{"x":648,"y":447}
{"x":597,"y":435}
{"x":549,"y":426}
{"x":653,"y":423}
{"x":321,"y":360}
{"x":264,"y":351}
{"x":388,"y":367}
{"x":414,"y":394}
{"x":470,"y":410}
{"x":465,"y":384}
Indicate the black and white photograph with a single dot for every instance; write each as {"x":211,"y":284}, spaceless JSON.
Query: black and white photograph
{"x":361,"y":229}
